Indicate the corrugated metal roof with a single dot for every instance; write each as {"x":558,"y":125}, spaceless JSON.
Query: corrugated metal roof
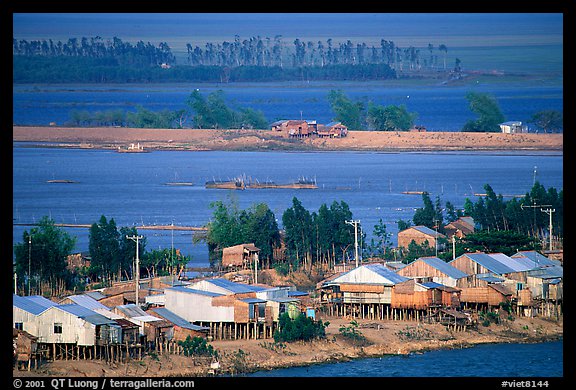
{"x":40,"y":300}
{"x":386,"y":273}
{"x":428,"y":231}
{"x":516,"y":264}
{"x":131,"y":310}
{"x":283,"y":300}
{"x":365,"y":274}
{"x":490,"y":263}
{"x":95,"y":295}
{"x":431,"y":285}
{"x":297,"y":293}
{"x":177,"y":320}
{"x":443,"y":267}
{"x":489,"y":278}
{"x":547,"y":272}
{"x":87,"y":301}
{"x":27,"y":305}
{"x":86,"y":314}
{"x":537,"y":258}
{"x":233,"y":287}
{"x":146,"y":318}
{"x":194,"y":291}
{"x":253,"y":300}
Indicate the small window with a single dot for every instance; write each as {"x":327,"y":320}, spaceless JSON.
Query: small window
{"x":19,"y":325}
{"x":519,"y":286}
{"x":57,"y":328}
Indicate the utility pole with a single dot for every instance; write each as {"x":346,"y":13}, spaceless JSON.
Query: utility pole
{"x":137,"y":271}
{"x":355,"y":224}
{"x":436,"y":235}
{"x":549,"y":212}
{"x":29,"y":262}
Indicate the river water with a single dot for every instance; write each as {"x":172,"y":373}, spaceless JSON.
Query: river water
{"x":131,"y":187}
{"x":438,"y":107}
{"x":513,"y":361}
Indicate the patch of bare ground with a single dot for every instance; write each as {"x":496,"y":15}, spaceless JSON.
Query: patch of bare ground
{"x":206,"y":139}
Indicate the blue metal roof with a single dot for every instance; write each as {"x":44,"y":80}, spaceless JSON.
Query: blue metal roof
{"x":516,"y":264}
{"x":490,"y":263}
{"x":40,"y":300}
{"x":233,"y":287}
{"x":431,"y":285}
{"x":194,"y":291}
{"x":86,"y":314}
{"x":443,"y":267}
{"x":24,"y":303}
{"x":537,"y":258}
{"x":86,"y":301}
{"x":177,"y":320}
{"x":332,"y":124}
{"x":428,"y":231}
{"x":297,"y":293}
{"x":385,"y":272}
{"x":253,"y":300}
{"x":547,"y":272}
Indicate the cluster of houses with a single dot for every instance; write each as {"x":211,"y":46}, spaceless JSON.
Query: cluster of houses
{"x":528,"y":282}
{"x":309,"y":128}
{"x":109,"y":323}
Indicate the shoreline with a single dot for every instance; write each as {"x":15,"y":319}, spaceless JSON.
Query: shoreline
{"x":263,"y":355}
{"x":118,"y":139}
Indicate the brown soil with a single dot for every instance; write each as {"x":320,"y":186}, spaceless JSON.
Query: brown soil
{"x":203,"y":139}
{"x":384,"y":338}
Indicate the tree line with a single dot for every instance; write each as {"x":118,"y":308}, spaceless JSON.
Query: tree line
{"x":98,"y":60}
{"x":212,"y":112}
{"x":319,"y":238}
{"x":41,"y":257}
{"x":253,"y":51}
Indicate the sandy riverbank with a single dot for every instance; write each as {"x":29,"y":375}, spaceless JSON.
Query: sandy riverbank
{"x":384,"y":338}
{"x":203,"y":139}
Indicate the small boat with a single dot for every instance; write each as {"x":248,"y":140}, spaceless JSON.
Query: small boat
{"x":132,"y":148}
{"x":179,"y":183}
{"x":61,"y":181}
{"x":414,"y":192}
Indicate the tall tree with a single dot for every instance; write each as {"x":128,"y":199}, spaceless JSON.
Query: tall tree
{"x":489,"y":114}
{"x":41,"y":256}
{"x":548,"y":120}
{"x":347,"y":111}
{"x":104,"y":247}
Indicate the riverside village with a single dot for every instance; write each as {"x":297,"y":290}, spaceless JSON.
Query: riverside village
{"x":196,"y":314}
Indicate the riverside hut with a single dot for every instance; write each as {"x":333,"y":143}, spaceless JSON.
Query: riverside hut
{"x":365,"y":291}
{"x":432,"y":269}
{"x":420,"y":235}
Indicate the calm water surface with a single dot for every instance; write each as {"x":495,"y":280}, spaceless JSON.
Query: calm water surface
{"x":131,"y":187}
{"x":488,"y":360}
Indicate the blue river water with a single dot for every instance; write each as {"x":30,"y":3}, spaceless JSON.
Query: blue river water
{"x":439,"y":108}
{"x":131,"y":187}
{"x":543,"y":360}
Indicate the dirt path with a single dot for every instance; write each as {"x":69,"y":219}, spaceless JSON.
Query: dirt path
{"x":202,"y":139}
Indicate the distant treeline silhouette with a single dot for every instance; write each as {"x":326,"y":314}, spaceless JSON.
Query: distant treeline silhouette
{"x":255,"y":59}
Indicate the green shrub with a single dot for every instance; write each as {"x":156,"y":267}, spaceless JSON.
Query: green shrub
{"x":197,"y":346}
{"x":301,"y":328}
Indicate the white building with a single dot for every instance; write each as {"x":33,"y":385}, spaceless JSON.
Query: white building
{"x":512,"y":127}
